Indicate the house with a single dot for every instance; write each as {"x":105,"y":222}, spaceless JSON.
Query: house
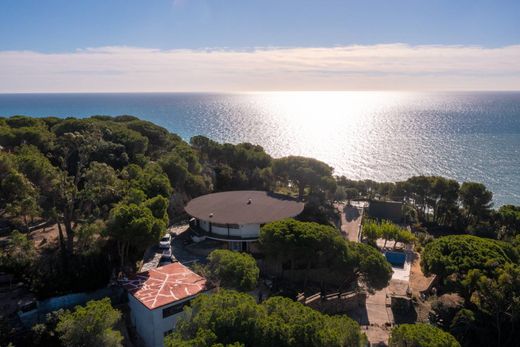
{"x":389,"y":210}
{"x":235,"y":217}
{"x":156,"y":299}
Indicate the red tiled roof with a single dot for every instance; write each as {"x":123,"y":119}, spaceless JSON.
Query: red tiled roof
{"x":164,"y":285}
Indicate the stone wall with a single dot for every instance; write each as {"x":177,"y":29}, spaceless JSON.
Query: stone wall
{"x":323,"y":275}
{"x":336,"y":303}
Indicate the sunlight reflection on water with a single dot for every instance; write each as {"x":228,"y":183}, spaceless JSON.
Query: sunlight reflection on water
{"x":385,"y":136}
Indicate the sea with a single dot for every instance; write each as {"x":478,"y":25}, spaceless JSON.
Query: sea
{"x":383,"y":136}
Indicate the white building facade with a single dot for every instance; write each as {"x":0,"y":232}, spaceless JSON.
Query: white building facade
{"x":236,"y":217}
{"x":156,"y":299}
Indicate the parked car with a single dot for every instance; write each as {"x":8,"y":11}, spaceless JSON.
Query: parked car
{"x":167,"y":253}
{"x":166,"y":241}
{"x":166,"y":258}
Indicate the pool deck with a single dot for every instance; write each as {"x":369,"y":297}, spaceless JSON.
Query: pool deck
{"x":403,"y":274}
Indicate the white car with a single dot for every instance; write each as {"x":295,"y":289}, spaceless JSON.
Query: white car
{"x":166,"y":258}
{"x":165,"y":241}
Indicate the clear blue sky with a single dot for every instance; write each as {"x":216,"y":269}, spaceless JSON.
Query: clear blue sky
{"x":66,"y":25}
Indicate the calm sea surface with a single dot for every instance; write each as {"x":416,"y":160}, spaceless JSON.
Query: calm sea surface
{"x":385,"y":136}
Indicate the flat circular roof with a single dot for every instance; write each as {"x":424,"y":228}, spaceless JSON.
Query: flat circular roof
{"x":243,"y":207}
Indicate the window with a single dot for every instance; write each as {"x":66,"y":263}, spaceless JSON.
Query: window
{"x":170,"y":311}
{"x":235,"y":246}
{"x":226,"y":226}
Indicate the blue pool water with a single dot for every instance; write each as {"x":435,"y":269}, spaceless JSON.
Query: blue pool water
{"x":397,"y":259}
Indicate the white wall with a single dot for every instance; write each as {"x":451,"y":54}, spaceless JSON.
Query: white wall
{"x":142,"y":319}
{"x":244,"y":230}
{"x":250,"y":230}
{"x":150,"y":324}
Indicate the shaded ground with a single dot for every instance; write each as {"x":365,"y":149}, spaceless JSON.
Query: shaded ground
{"x":418,"y":281}
{"x":350,"y":221}
{"x":377,"y":317}
{"x":180,"y":242}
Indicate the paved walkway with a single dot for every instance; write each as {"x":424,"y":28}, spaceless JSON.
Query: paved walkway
{"x":350,"y":221}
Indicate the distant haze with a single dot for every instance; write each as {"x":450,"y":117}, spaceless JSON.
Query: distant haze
{"x":353,"y":67}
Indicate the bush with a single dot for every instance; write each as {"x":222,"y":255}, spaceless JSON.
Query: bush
{"x":91,"y":325}
{"x":420,"y":335}
{"x":233,"y":318}
{"x":232,"y":270}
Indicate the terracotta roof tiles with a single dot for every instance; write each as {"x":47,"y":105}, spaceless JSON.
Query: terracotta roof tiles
{"x":164,"y":285}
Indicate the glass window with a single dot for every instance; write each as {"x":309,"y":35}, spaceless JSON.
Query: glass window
{"x":170,"y":311}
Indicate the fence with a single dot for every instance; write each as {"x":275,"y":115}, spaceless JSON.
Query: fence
{"x":37,"y":315}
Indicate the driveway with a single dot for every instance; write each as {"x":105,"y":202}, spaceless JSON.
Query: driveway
{"x":350,"y":221}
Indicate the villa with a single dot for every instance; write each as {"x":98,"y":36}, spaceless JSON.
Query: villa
{"x":156,"y":299}
{"x":235,"y":217}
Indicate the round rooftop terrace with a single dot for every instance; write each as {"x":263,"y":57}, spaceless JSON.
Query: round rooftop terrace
{"x":243,"y":207}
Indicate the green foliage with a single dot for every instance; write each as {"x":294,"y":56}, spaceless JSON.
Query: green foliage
{"x":373,"y":268}
{"x":464,"y":328}
{"x":136,"y":226}
{"x":232,"y":270}
{"x":86,"y":235}
{"x":305,"y":173}
{"x":102,"y":188}
{"x":241,"y":166}
{"x":19,"y":254}
{"x":458,"y":254}
{"x":508,"y":218}
{"x":90,"y":325}
{"x":497,"y":296}
{"x":372,"y":230}
{"x":317,"y":246}
{"x":420,"y":335}
{"x":234,"y":318}
{"x":151,"y":180}
{"x":25,"y":130}
{"x":430,"y":198}
{"x":475,"y":199}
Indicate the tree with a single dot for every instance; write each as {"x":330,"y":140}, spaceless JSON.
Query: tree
{"x":420,"y":335}
{"x":419,"y":188}
{"x":508,"y":220}
{"x":151,"y":180}
{"x":101,"y":188}
{"x":458,"y":254}
{"x":132,"y":226}
{"x":232,"y":318}
{"x":445,"y":193}
{"x":19,"y":255}
{"x":305,"y":172}
{"x":19,"y":196}
{"x":499,"y":298}
{"x":316,"y":246}
{"x":232,"y":270}
{"x":476,"y":200}
{"x":387,"y":230}
{"x":464,"y":328}
{"x":371,"y":230}
{"x":371,"y":266}
{"x":74,"y":152}
{"x":90,"y":325}
{"x":404,"y":236}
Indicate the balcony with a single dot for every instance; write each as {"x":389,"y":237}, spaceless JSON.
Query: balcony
{"x":219,"y":237}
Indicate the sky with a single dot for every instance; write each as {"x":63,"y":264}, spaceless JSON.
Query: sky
{"x":204,"y":45}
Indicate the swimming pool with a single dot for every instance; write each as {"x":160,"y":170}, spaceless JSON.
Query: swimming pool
{"x":397,"y":259}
